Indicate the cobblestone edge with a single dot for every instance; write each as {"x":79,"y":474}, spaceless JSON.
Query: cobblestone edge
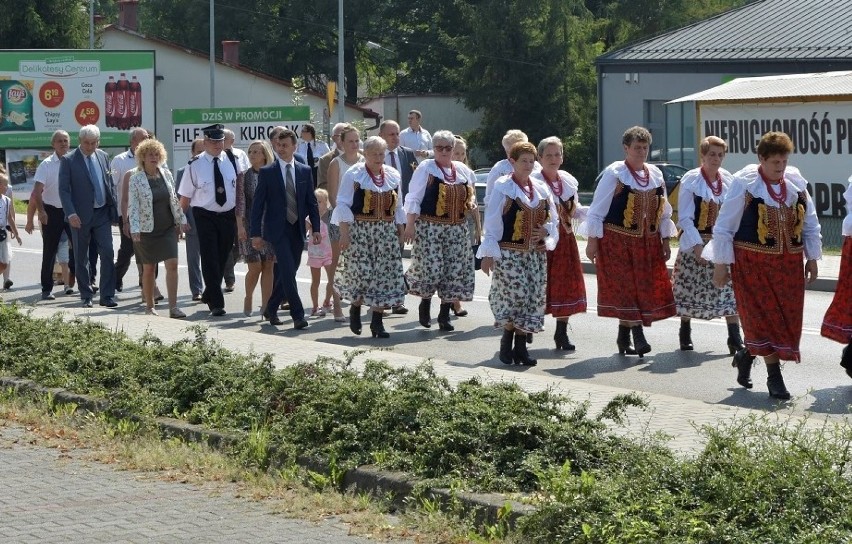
{"x":397,"y":487}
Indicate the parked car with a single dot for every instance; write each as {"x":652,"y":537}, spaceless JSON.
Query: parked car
{"x":481,"y":184}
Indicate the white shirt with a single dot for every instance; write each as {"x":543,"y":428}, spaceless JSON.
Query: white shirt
{"x":120,"y":165}
{"x":602,"y":200}
{"x":506,"y":188}
{"x":198,"y":185}
{"x":417,"y":187}
{"x":319,"y":149}
{"x":346,"y":194}
{"x":241,"y":159}
{"x":847,"y":221}
{"x":47,"y":174}
{"x":570,"y":186}
{"x":720,"y":250}
{"x":283,"y":165}
{"x":692,"y":184}
{"x":500,"y":169}
{"x":417,"y":141}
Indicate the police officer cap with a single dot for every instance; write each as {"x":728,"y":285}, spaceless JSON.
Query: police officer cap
{"x":214,"y":132}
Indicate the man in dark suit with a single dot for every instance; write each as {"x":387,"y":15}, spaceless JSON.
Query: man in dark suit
{"x":273,"y":136}
{"x":283,"y":199}
{"x":403,"y":160}
{"x":90,"y":209}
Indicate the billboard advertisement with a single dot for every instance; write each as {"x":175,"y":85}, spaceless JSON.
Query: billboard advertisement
{"x":45,"y":90}
{"x":821,"y":134}
{"x":248,"y":124}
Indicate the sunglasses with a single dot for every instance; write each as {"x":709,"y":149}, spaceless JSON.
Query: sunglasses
{"x":443,"y":148}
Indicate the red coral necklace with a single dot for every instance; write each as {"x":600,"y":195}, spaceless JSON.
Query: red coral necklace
{"x":642,"y":180}
{"x":378,"y":181}
{"x":715,"y":187}
{"x":781,"y":196}
{"x":555,"y":185}
{"x":528,"y":190}
{"x":451,"y":176}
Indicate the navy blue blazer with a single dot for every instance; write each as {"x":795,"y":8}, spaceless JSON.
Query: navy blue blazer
{"x":75,"y":186}
{"x":269,"y":209}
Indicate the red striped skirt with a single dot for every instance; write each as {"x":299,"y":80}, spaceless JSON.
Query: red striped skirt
{"x":566,"y":290}
{"x":633,"y":281}
{"x":837,"y":323}
{"x":770,"y":293}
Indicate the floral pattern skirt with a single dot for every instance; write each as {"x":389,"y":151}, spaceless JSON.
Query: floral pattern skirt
{"x":837,"y":323}
{"x":519,"y":290}
{"x":770,"y":292}
{"x":633,"y":281}
{"x":694,"y":292}
{"x":566,"y":290}
{"x":442,"y":262}
{"x":373,"y":273}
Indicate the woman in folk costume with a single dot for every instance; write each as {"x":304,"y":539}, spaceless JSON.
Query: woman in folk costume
{"x":370,"y":217}
{"x":765,"y":225}
{"x":521,"y":222}
{"x":837,"y":323}
{"x":440,"y":194}
{"x":702,"y":191}
{"x":566,"y":290}
{"x":628,"y":226}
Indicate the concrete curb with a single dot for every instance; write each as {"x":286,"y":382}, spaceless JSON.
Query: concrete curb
{"x":399,"y":487}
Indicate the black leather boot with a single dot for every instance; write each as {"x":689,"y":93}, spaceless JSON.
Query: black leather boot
{"x":735,"y":341}
{"x":376,"y":325}
{"x":560,"y":337}
{"x":642,"y":346}
{"x":444,"y":317}
{"x":625,"y":346}
{"x":506,"y":347}
{"x":743,"y":361}
{"x":520,"y":353}
{"x":846,"y":360}
{"x":685,"y":336}
{"x":426,"y":312}
{"x":355,"y":319}
{"x":775,"y":383}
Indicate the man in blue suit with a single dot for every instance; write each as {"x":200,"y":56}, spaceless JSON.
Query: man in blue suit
{"x":283,"y":199}
{"x":90,"y":209}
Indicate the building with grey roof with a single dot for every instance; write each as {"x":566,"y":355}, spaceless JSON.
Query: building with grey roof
{"x":765,"y":37}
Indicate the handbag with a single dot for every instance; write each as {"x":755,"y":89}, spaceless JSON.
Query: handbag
{"x":477,"y":262}
{"x":2,"y":235}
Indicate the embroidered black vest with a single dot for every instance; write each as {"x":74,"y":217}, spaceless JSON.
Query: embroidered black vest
{"x":370,"y":205}
{"x":635,"y":212}
{"x":706,"y":212}
{"x":445,"y":203}
{"x":767,"y":229}
{"x":519,"y":220}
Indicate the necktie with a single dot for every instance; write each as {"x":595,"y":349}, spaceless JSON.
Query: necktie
{"x":310,"y":156}
{"x":292,"y":206}
{"x":219,"y":183}
{"x":96,"y":182}
{"x":393,"y":159}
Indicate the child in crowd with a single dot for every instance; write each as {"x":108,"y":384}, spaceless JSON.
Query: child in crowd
{"x":8,"y":229}
{"x":7,"y":282}
{"x":319,"y":257}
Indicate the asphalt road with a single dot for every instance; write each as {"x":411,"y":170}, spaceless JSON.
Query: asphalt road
{"x":704,"y":374}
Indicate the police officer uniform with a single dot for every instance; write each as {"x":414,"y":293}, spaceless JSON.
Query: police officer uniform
{"x":210,"y":184}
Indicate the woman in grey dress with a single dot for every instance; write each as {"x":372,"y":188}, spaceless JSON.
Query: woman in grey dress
{"x":156,"y":219}
{"x":260,"y":261}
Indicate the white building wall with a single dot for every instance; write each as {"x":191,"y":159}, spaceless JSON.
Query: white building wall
{"x":186,"y":84}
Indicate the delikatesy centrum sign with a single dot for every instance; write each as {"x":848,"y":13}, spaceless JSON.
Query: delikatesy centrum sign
{"x":42,"y":91}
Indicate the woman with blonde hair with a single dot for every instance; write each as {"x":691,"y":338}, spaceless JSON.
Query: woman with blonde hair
{"x":156,"y":219}
{"x":260,"y":262}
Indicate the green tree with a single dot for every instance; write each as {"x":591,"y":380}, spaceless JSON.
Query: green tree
{"x":44,"y":24}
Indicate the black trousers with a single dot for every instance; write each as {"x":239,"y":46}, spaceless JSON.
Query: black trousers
{"x":288,"y":255}
{"x":125,"y":252}
{"x":51,"y":233}
{"x":215,"y":238}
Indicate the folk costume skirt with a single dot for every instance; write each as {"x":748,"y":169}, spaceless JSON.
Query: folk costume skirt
{"x":633,"y":281}
{"x":519,"y":290}
{"x":373,"y":273}
{"x":442,"y":262}
{"x":566,"y":290}
{"x":770,"y":293}
{"x":837,"y":323}
{"x":694,"y":292}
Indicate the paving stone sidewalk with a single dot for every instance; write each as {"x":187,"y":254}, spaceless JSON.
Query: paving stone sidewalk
{"x":52,"y":496}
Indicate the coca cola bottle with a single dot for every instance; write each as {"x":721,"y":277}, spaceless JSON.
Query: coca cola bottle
{"x":122,"y":112}
{"x":135,"y":103}
{"x":109,"y":102}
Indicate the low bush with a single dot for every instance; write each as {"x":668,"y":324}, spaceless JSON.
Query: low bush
{"x":755,"y":481}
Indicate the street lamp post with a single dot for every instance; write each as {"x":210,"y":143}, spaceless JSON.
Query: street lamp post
{"x":91,"y":24}
{"x":212,"y":59}
{"x":341,"y":92}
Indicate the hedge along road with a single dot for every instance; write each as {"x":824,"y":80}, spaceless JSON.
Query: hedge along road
{"x":818,"y":383}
